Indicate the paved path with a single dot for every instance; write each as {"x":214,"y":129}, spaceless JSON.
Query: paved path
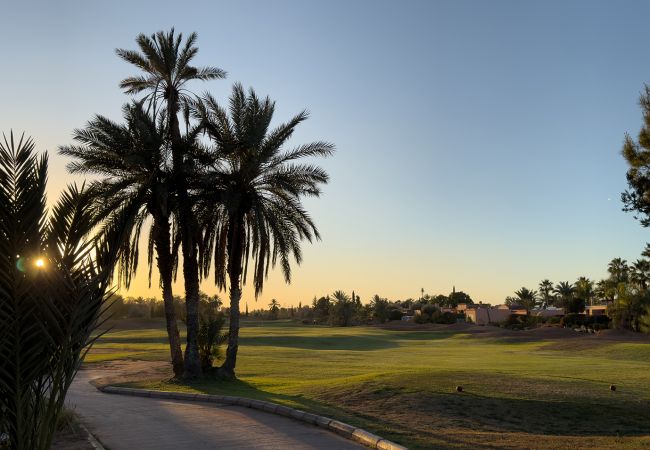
{"x":124,"y":423}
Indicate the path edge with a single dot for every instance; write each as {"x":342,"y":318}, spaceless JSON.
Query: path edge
{"x":343,"y":429}
{"x":92,"y":440}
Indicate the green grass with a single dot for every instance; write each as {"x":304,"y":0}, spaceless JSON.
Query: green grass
{"x":401,"y":384}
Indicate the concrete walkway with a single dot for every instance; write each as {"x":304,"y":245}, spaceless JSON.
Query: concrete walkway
{"x":125,"y":423}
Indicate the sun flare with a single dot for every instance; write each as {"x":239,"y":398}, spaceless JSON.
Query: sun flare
{"x":40,"y":262}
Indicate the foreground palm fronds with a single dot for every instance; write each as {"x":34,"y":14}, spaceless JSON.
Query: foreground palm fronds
{"x":53,"y":279}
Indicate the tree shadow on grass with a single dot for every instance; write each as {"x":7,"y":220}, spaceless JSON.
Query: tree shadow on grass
{"x":240,"y":388}
{"x":339,"y":342}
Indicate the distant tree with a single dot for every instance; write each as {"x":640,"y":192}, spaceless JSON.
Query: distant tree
{"x":618,"y":270}
{"x":380,"y":308}
{"x":585,"y":290}
{"x":546,"y":293}
{"x":440,"y":300}
{"x":274,"y":308}
{"x":321,"y":308}
{"x":630,"y":307}
{"x":343,"y":309}
{"x":640,"y":274}
{"x":406,"y":304}
{"x":566,"y":296}
{"x":526,"y":298}
{"x":605,"y":291}
{"x":457,"y":297}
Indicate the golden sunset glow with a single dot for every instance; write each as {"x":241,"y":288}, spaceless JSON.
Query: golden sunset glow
{"x":40,"y":263}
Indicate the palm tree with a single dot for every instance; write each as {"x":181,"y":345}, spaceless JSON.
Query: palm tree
{"x":252,"y":197}
{"x":605,"y":291}
{"x":343,"y":309}
{"x":166,"y":63}
{"x":618,"y":270}
{"x":640,"y":274}
{"x":546,"y":290}
{"x":53,"y":278}
{"x":526,"y":298}
{"x":132,"y":158}
{"x":274,"y":308}
{"x":565,"y":291}
{"x":585,"y":289}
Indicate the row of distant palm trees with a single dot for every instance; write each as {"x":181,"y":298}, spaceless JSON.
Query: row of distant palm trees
{"x":574,"y":296}
{"x":217,"y":183}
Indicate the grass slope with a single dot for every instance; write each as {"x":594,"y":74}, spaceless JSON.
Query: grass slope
{"x":522,"y":389}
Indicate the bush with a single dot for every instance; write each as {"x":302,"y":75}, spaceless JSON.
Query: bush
{"x":210,"y":337}
{"x":553,"y":320}
{"x":573,"y":320}
{"x":395,"y":314}
{"x":520,"y":322}
{"x":447,"y":318}
{"x":422,"y":318}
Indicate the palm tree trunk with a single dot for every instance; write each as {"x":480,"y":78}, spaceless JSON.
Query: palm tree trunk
{"x":227,"y":370}
{"x":190,"y":275}
{"x":162,"y":243}
{"x":188,"y":227}
{"x":236,"y":237}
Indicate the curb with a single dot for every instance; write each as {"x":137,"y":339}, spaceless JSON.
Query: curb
{"x":343,"y":429}
{"x":91,"y":438}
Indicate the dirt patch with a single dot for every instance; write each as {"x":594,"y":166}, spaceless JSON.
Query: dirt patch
{"x":624,"y":336}
{"x":123,"y":371}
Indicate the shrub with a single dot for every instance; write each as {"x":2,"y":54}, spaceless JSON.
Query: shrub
{"x":395,"y":314}
{"x":573,"y":320}
{"x":422,"y":318}
{"x":53,"y":278}
{"x":447,"y":318}
{"x":210,"y":337}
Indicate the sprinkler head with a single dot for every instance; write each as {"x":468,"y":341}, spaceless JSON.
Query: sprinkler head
{"x":459,"y":389}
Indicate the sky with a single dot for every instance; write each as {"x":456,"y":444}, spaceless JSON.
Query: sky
{"x":478,"y":143}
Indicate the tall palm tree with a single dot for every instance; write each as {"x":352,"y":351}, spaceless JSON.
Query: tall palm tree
{"x":565,"y":291}
{"x":585,"y":289}
{"x":53,"y":278}
{"x":526,"y":298}
{"x":343,"y":309}
{"x":132,"y":159}
{"x":166,"y":62}
{"x":252,"y":197}
{"x":605,"y":290}
{"x":274,"y":308}
{"x":618,"y":270}
{"x":546,"y":292}
{"x":640,"y":274}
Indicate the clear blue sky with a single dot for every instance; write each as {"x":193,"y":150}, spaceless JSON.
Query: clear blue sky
{"x":477,"y":142}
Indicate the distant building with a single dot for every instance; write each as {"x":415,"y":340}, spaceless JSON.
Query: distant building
{"x":483,"y":315}
{"x":596,"y":310}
